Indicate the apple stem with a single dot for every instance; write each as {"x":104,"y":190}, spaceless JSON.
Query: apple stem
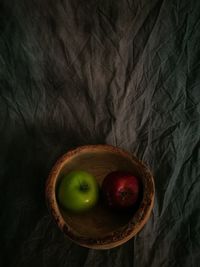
{"x":84,"y":187}
{"x":125,"y":194}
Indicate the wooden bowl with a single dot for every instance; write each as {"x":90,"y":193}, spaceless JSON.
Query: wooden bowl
{"x":100,"y":228}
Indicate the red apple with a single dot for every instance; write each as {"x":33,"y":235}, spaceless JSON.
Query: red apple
{"x":121,"y":190}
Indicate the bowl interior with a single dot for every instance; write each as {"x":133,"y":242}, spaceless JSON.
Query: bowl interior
{"x":99,"y":221}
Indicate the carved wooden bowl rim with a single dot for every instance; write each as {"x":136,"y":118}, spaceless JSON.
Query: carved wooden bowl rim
{"x":125,"y":233}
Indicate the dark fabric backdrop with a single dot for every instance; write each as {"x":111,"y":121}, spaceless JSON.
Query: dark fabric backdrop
{"x":125,"y":73}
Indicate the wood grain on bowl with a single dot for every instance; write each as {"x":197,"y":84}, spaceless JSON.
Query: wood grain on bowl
{"x":100,"y":228}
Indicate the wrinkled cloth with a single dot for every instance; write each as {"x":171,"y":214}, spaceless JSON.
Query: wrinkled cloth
{"x":124,"y":73}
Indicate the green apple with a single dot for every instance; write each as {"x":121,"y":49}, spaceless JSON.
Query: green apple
{"x":78,"y":191}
